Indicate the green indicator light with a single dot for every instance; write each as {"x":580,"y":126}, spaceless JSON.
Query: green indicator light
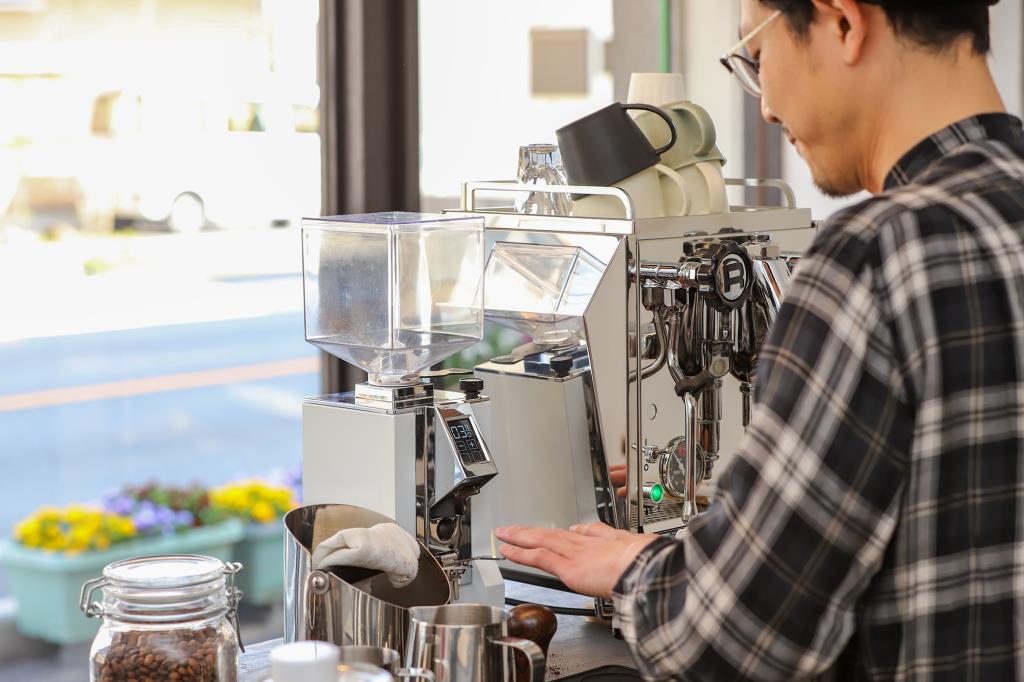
{"x":656,"y":493}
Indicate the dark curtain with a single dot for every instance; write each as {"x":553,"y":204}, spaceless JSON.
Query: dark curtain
{"x":369,"y":119}
{"x":763,"y":152}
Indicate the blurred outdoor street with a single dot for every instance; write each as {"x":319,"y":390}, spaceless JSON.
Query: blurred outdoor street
{"x":184,"y":362}
{"x":155,"y":159}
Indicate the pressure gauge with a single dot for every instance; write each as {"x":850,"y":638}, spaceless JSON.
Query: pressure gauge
{"x":672,"y":467}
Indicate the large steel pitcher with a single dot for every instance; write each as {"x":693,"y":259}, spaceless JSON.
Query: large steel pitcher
{"x":351,"y":606}
{"x":468,"y":643}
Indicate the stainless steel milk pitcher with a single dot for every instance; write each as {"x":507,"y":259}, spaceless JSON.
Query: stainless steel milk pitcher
{"x":468,"y":643}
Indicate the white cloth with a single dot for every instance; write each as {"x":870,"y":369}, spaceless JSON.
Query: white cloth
{"x":385,"y":547}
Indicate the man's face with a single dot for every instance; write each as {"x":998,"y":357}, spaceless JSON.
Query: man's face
{"x":807,"y":89}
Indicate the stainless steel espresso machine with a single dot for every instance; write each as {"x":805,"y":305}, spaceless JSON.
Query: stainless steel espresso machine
{"x":642,"y":338}
{"x":393,"y":294}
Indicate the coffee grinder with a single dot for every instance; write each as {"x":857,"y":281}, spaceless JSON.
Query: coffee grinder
{"x":394,"y":294}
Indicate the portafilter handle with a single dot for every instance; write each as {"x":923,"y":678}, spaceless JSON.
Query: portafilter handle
{"x":455,"y":568}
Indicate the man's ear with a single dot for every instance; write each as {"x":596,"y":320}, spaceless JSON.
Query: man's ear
{"x":847,"y":23}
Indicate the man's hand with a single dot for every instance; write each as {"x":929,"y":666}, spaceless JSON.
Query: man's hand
{"x":588,"y":558}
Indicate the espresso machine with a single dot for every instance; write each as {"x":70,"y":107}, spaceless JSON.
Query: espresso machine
{"x":640,"y":347}
{"x":394,"y":294}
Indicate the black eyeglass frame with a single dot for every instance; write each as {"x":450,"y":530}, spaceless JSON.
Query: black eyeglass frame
{"x":746,"y":70}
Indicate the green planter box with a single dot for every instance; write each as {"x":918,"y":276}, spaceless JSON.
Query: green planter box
{"x":47,"y":585}
{"x":261,"y":553}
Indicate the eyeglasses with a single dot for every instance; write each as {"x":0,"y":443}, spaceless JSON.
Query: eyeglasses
{"x":747,"y":70}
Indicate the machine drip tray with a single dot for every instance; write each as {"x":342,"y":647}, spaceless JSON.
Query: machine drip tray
{"x":606,"y":673}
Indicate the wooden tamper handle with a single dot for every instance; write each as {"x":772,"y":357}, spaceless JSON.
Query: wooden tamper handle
{"x":533,"y":622}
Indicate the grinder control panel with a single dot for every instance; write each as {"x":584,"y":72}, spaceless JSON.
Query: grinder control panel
{"x":466,"y":441}
{"x":462,"y":464}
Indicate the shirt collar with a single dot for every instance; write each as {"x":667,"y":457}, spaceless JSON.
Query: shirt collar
{"x":1001,"y":127}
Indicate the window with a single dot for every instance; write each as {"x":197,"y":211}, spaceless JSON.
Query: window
{"x":150,"y":279}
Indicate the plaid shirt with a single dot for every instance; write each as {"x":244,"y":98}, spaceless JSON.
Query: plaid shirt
{"x":871,"y":526}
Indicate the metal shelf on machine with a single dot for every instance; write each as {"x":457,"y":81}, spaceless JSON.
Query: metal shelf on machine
{"x":744,"y":219}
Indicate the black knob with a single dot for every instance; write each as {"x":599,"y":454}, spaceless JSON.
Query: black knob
{"x":725,"y":275}
{"x":471,"y":386}
{"x":445,"y":529}
{"x":561,"y":365}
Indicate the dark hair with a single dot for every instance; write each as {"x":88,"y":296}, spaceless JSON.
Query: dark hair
{"x":935,"y":25}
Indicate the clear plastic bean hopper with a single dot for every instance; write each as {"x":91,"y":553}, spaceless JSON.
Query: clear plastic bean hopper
{"x":541,"y":290}
{"x":395,"y":294}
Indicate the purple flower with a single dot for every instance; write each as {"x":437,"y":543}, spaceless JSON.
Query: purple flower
{"x":148,"y":517}
{"x":118,"y":504}
{"x":145,"y":517}
{"x":165,"y":518}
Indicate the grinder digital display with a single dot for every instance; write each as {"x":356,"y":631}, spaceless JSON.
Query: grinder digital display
{"x":467,"y":443}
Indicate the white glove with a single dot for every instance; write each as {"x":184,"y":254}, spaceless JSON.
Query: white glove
{"x":385,"y":547}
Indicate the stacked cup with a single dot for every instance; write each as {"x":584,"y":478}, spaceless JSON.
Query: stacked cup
{"x":607,"y":148}
{"x":661,"y":152}
{"x":694,"y":155}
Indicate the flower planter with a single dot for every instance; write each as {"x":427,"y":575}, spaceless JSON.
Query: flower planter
{"x":261,"y":552}
{"x":47,"y":585}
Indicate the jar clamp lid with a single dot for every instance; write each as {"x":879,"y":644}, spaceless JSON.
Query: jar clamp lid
{"x":166,"y":589}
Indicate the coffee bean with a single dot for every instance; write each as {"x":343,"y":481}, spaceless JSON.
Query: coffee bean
{"x":182,"y":655}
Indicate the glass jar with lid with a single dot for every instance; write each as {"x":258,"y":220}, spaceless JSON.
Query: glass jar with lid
{"x":165,"y":618}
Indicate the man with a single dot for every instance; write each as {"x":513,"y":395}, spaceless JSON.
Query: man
{"x":871,"y":525}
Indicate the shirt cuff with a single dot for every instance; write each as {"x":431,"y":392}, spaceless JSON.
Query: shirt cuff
{"x":630,"y":592}
{"x":628,"y":579}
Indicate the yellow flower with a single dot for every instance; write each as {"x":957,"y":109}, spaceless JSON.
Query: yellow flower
{"x":253,"y":499}
{"x":125,"y":525}
{"x":29,"y":528}
{"x":73,"y":530}
{"x":30,"y":537}
{"x":80,"y":534}
{"x":75,"y":514}
{"x":262,"y":512}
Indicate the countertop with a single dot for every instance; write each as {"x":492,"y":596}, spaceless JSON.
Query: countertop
{"x":579,"y":644}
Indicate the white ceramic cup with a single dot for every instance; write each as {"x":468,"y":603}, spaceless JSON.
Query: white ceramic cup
{"x":705,"y":187}
{"x":656,"y":89}
{"x":695,"y":134}
{"x":308,"y":661}
{"x":718,"y":199}
{"x":646,"y":189}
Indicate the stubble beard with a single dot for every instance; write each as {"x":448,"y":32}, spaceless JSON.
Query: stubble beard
{"x":835,"y":184}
